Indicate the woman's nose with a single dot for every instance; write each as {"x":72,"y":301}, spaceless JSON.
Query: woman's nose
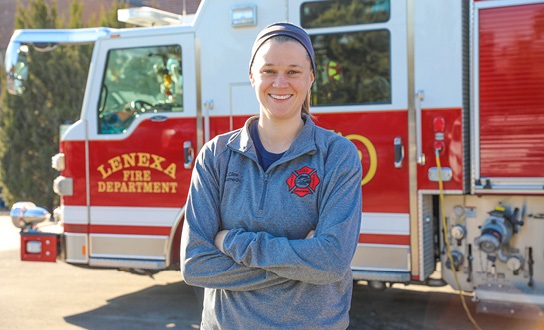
{"x":280,"y":81}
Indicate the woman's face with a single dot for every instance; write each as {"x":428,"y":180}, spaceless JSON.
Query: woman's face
{"x":281,"y":76}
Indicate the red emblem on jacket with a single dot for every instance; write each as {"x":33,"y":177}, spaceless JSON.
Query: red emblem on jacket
{"x":303,"y":181}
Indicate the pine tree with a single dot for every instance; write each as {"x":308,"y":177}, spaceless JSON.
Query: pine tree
{"x":29,"y":124}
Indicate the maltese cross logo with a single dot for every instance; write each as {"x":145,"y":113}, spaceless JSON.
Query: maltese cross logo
{"x":303,"y":181}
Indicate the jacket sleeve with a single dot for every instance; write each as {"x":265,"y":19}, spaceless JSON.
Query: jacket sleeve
{"x":326,"y":257}
{"x":201,"y":263}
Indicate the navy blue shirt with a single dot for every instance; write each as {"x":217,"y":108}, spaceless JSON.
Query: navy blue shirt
{"x":265,"y":158}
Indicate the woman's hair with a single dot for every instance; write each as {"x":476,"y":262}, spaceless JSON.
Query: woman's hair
{"x":283,"y":39}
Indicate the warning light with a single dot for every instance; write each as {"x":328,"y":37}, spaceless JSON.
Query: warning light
{"x":439,"y":124}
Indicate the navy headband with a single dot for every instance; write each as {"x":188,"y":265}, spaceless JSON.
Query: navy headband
{"x":283,"y":29}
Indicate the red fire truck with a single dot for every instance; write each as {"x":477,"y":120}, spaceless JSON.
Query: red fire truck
{"x":443,"y":99}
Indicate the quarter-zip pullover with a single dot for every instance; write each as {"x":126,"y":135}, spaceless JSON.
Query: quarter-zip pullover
{"x":270,"y":276}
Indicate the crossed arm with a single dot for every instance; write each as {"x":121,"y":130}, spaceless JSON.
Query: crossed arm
{"x":242,"y":260}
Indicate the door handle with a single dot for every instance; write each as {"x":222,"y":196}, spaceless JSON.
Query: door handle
{"x":399,"y":152}
{"x":188,"y":155}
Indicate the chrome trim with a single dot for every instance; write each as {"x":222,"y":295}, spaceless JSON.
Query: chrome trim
{"x":381,"y":257}
{"x":123,"y":263}
{"x":128,"y":246}
{"x":412,"y":152}
{"x":509,"y":185}
{"x":501,"y":292}
{"x":87,"y":164}
{"x":445,"y":172}
{"x":209,"y":105}
{"x":125,"y":257}
{"x":467,"y":96}
{"x":201,"y":129}
{"x":72,"y":245}
{"x":507,"y":191}
{"x":381,"y":245}
{"x":420,"y":156}
{"x":475,"y":99}
{"x":436,"y":192}
{"x":504,"y":3}
{"x":385,"y":276}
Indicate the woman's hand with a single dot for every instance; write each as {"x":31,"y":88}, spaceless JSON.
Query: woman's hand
{"x":219,"y":238}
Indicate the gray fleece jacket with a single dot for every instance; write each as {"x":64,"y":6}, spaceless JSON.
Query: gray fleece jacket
{"x":270,"y":276}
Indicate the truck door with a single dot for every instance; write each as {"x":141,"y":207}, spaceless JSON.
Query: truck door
{"x":361,"y":93}
{"x":141,"y":128}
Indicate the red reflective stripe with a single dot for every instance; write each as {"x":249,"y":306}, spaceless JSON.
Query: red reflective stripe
{"x":71,"y":228}
{"x":118,"y":230}
{"x":129,"y":230}
{"x":384,"y":239}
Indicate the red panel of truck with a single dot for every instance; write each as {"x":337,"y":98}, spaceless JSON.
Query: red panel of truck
{"x":512,"y":91}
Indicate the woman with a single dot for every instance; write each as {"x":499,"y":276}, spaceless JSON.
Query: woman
{"x":274,"y":208}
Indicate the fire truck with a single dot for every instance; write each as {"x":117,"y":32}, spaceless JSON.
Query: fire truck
{"x":443,"y":99}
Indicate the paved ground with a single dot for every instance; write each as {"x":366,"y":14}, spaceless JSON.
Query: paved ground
{"x":36,"y":295}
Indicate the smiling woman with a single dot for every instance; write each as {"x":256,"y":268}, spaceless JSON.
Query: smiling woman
{"x":282,"y":76}
{"x":274,"y":208}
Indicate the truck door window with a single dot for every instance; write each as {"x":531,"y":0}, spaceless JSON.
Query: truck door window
{"x":352,"y":67}
{"x":137,"y":81}
{"x":348,"y":12}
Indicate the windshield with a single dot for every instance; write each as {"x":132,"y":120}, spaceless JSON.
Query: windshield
{"x":137,"y":81}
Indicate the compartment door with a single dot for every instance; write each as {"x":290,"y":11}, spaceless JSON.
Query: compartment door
{"x":509,"y":103}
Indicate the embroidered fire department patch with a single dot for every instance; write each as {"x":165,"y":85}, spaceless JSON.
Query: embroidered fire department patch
{"x":303,"y":182}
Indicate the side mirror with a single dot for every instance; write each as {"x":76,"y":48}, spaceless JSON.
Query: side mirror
{"x":16,"y":68}
{"x":26,"y":214}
